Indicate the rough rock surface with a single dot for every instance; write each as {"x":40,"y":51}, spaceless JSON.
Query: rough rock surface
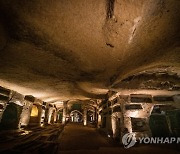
{"x":60,"y":50}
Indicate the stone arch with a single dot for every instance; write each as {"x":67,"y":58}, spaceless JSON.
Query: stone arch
{"x":76,"y":116}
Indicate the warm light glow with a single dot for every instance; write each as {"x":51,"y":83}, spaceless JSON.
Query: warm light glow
{"x":18,"y":103}
{"x":34,"y":112}
{"x":64,"y":119}
{"x":85,"y":116}
{"x":85,"y":122}
{"x":26,"y":132}
{"x":99,"y":120}
{"x":49,"y":115}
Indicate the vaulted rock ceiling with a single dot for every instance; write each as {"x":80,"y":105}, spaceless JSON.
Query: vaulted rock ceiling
{"x":78,"y":49}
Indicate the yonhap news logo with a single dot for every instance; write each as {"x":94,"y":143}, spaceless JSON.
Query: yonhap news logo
{"x":130,"y":140}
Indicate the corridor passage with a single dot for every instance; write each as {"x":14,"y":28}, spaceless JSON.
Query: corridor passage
{"x":89,"y":76}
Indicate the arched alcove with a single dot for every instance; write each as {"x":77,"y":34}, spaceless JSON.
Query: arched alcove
{"x":76,"y":116}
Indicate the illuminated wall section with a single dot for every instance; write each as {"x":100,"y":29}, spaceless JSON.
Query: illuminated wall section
{"x":26,"y":113}
{"x":34,"y":111}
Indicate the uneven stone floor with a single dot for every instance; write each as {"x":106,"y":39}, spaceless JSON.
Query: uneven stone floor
{"x":34,"y":140}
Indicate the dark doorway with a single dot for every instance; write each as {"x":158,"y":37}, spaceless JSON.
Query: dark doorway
{"x":11,"y":116}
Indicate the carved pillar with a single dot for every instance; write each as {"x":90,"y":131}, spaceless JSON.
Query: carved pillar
{"x":64,"y":112}
{"x":85,"y":116}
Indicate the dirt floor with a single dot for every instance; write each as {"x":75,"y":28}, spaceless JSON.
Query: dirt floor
{"x":76,"y":136}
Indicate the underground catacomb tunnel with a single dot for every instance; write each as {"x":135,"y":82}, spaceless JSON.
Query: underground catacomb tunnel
{"x":90,"y":76}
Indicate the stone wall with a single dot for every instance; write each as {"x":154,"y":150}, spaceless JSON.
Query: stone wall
{"x":131,"y":113}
